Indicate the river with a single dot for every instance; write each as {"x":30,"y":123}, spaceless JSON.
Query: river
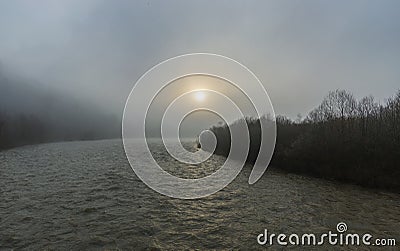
{"x":85,"y":196}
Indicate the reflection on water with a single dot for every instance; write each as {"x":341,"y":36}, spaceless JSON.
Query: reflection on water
{"x":84,"y":195}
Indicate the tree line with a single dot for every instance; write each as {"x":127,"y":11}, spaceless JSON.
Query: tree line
{"x":23,"y":129}
{"x":344,"y":139}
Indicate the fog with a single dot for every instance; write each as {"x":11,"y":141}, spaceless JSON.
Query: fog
{"x":83,"y":57}
{"x":31,"y":113}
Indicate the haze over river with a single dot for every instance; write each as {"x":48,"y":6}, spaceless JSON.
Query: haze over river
{"x":85,"y":196}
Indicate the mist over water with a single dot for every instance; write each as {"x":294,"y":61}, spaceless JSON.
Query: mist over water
{"x":31,"y":113}
{"x":84,"y":195}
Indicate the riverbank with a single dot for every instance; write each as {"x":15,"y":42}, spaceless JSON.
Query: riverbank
{"x":276,"y":168}
{"x":349,"y":140}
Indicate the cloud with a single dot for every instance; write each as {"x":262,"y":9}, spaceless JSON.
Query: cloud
{"x":96,"y":50}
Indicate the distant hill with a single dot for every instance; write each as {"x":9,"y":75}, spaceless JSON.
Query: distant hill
{"x":31,"y":113}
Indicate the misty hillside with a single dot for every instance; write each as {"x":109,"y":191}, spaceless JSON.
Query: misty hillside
{"x":30,"y":113}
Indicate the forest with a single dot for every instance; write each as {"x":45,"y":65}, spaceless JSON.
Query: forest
{"x":31,"y":113}
{"x":23,"y":129}
{"x":345,"y":139}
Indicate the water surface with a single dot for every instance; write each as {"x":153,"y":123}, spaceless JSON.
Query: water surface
{"x":85,"y":196}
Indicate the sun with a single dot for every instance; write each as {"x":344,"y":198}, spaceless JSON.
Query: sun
{"x":199,"y":96}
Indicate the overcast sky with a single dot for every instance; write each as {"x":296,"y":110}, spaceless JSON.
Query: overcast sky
{"x":96,"y":50}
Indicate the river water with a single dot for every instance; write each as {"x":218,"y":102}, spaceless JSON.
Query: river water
{"x":85,"y":196}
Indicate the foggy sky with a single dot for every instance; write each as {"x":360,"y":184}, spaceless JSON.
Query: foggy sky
{"x":96,"y":50}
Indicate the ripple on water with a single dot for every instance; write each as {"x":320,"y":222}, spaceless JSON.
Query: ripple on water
{"x":84,"y":195}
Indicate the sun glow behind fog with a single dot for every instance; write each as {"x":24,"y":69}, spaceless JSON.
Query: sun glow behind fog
{"x":199,"y":96}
